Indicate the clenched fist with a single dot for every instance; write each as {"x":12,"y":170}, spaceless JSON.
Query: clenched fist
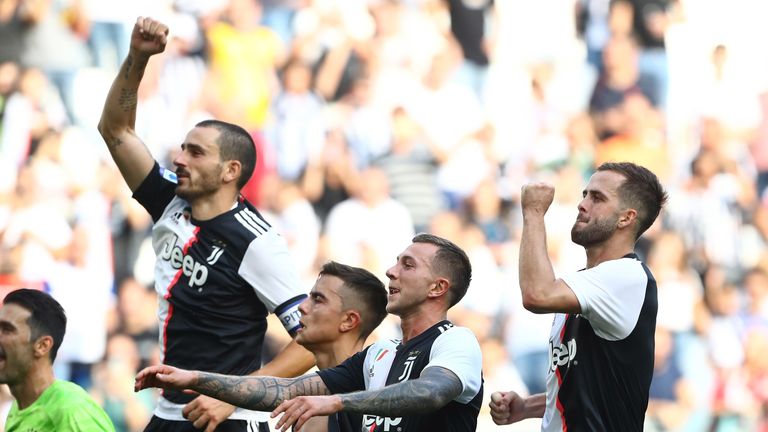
{"x":536,"y":197}
{"x":149,"y":36}
{"x":507,"y":408}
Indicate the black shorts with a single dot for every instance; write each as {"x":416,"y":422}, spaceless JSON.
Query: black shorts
{"x":156,"y":424}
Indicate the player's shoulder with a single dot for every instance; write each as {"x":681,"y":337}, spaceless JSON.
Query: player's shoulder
{"x":247,"y":223}
{"x":625,"y":267}
{"x":462,"y":336}
{"x":383,"y":344}
{"x":66,"y":395}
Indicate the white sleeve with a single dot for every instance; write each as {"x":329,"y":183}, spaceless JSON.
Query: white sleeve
{"x":458,"y":351}
{"x":611,"y":296}
{"x":268,"y":267}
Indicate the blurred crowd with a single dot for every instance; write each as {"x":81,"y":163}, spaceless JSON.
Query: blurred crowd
{"x":377,"y":119}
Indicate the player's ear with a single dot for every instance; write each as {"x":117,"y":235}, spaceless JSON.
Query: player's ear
{"x":439,"y":287}
{"x":351,"y":321}
{"x":627,"y":217}
{"x":232,"y":170}
{"x":42,"y":346}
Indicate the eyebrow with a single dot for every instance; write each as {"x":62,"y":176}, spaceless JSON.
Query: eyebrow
{"x":314,"y":293}
{"x":192,"y":146}
{"x":426,"y":262}
{"x":6,"y":323}
{"x":405,"y":256}
{"x":594,"y":192}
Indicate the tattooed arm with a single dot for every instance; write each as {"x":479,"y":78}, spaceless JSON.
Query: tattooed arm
{"x":118,"y":117}
{"x":258,"y":393}
{"x":434,"y":389}
{"x":252,"y":392}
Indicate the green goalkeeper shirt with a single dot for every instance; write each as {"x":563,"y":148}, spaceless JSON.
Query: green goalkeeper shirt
{"x":63,"y":407}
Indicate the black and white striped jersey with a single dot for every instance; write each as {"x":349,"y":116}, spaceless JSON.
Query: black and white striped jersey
{"x":390,"y":362}
{"x":601,"y":360}
{"x":217,"y":280}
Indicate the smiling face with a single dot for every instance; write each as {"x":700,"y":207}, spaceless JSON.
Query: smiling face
{"x":322,"y":313}
{"x":198,"y":165}
{"x":599,"y":210}
{"x":410,"y":279}
{"x":16,"y":349}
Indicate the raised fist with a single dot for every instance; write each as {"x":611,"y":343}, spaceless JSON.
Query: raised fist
{"x":149,"y":36}
{"x":537,"y":197}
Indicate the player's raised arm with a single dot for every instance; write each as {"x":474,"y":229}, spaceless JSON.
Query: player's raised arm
{"x":118,"y":118}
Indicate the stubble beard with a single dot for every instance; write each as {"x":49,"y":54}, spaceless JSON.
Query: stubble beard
{"x":206,"y":186}
{"x":595,"y":234}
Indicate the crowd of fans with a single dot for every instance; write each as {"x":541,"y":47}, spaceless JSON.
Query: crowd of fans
{"x":377,"y":119}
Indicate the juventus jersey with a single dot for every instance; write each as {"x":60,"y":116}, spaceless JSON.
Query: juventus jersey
{"x":602,"y":359}
{"x":217,"y":280}
{"x":390,"y":362}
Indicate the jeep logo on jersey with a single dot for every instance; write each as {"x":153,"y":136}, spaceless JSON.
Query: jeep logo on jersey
{"x":562,"y":355}
{"x":174,"y":254}
{"x":371,"y":422}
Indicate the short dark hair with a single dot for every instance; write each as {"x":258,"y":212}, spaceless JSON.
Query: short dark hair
{"x":367,"y":288}
{"x":641,"y":190}
{"x":47,"y":317}
{"x":235,"y":143}
{"x":450,"y":261}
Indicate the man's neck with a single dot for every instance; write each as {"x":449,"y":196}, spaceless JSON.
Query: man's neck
{"x":606,"y":252}
{"x":208,"y":208}
{"x":35,"y":383}
{"x":337,"y":352}
{"x":415,"y":324}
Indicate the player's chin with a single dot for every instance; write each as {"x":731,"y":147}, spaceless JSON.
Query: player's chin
{"x":392,"y":307}
{"x":184,"y":192}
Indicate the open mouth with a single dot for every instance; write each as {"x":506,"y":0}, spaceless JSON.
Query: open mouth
{"x":393,"y":291}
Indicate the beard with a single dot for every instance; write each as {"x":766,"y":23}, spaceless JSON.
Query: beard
{"x":595,"y":234}
{"x":206,"y":183}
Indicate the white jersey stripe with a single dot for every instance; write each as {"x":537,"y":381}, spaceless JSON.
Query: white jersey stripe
{"x":249,"y":217}
{"x":242,"y":221}
{"x":255,"y":218}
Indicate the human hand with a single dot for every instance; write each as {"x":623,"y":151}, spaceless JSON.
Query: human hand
{"x":206,"y":412}
{"x":164,"y":376}
{"x":506,"y":407}
{"x":536,"y":197}
{"x":300,"y":409}
{"x":149,"y":36}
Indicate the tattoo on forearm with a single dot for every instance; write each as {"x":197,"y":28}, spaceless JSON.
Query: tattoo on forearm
{"x":127,"y":66}
{"x":140,"y":64}
{"x":426,"y":394}
{"x":258,"y":393}
{"x":128,"y":100}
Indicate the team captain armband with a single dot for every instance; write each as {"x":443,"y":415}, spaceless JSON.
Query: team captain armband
{"x":288,"y":313}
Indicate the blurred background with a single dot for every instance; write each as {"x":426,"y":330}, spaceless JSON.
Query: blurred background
{"x":377,"y":119}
